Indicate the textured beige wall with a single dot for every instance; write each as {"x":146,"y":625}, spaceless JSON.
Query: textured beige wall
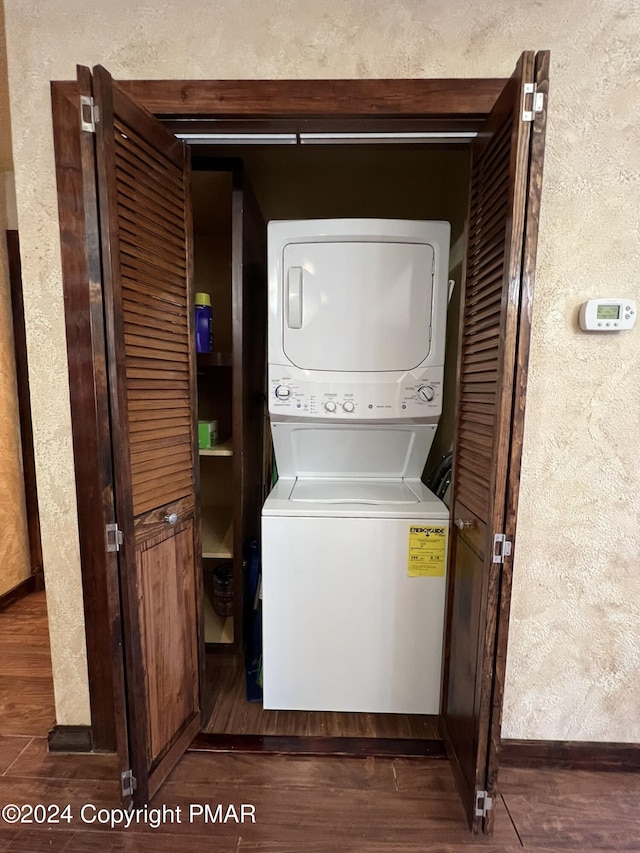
{"x":6,"y":159}
{"x":574,"y":661}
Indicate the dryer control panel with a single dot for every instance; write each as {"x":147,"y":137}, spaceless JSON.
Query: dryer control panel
{"x":408,"y":397}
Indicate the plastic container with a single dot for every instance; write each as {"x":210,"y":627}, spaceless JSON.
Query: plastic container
{"x":207,"y":434}
{"x":223,"y":590}
{"x":204,"y":323}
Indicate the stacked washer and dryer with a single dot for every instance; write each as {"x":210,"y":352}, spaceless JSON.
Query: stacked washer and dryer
{"x":354,"y":546}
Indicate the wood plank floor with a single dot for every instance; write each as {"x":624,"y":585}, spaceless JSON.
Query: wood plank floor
{"x":316,"y":805}
{"x":232,"y":714}
{"x":26,"y":685}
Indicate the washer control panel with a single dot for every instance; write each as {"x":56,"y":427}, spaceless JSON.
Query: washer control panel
{"x":408,"y":397}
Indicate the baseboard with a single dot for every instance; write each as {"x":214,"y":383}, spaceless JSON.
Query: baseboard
{"x":23,"y":589}
{"x":70,"y":739}
{"x":570,"y":755}
{"x":310,"y":746}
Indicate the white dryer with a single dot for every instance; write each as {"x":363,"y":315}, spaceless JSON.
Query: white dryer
{"x":354,"y":546}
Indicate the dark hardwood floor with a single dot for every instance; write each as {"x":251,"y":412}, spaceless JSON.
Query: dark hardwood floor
{"x":316,"y":805}
{"x":26,"y":686}
{"x":232,"y":714}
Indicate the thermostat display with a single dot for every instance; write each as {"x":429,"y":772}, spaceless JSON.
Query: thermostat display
{"x":608,"y":312}
{"x":607,"y":315}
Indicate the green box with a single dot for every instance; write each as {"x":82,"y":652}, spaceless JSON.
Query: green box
{"x":207,"y":434}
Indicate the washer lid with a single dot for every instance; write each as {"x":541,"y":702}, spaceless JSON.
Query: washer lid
{"x":353,"y":491}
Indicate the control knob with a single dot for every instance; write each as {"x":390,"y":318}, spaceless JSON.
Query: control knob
{"x":426,"y":393}
{"x":282,"y":392}
{"x":348,"y":406}
{"x":330,"y":406}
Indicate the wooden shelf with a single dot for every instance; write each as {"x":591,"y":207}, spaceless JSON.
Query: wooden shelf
{"x":217,"y":629}
{"x":214,"y":359}
{"x":217,"y":532}
{"x":223,"y":448}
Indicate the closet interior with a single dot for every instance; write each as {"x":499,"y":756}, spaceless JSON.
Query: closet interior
{"x":236,"y":190}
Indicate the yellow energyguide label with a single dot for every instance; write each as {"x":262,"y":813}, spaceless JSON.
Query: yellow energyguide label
{"x":427,"y":549}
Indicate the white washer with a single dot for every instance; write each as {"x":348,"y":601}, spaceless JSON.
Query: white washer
{"x":353,"y":545}
{"x":345,"y":627}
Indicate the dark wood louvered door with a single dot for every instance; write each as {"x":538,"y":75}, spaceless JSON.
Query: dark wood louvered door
{"x":500,"y":204}
{"x":145,"y":230}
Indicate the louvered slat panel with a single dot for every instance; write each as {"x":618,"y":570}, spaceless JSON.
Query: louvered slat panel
{"x":156,"y":344}
{"x":160,"y":424}
{"x":479,"y":373}
{"x":139,"y":268}
{"x":154,"y":244}
{"x":473,"y":417}
{"x":150,"y":461}
{"x":494,"y":157}
{"x":490,"y":315}
{"x":494,"y":229}
{"x":480,"y":461}
{"x":151,"y":231}
{"x":476,"y":481}
{"x":175,"y":385}
{"x":139,"y":313}
{"x":159,"y":448}
{"x":164,"y":262}
{"x":141,"y":404}
{"x":486,"y":256}
{"x":492,"y":204}
{"x":148,"y":498}
{"x":136,"y":199}
{"x":147,"y":225}
{"x":138,"y":398}
{"x":164,"y":376}
{"x":149,"y":179}
{"x":485,"y":366}
{"x":488,"y":282}
{"x":153,"y":415}
{"x":139,"y":148}
{"x":145,"y":212}
{"x":151,"y":475}
{"x":157,"y":433}
{"x":147,"y":197}
{"x":143,"y":346}
{"x":141,"y":283}
{"x":486,"y":348}
{"x":475,"y":502}
{"x":137,"y":327}
{"x":481,"y":408}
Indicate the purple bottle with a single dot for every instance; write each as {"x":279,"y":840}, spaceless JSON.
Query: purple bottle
{"x":204,"y":323}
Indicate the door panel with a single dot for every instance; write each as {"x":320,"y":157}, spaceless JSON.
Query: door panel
{"x":168,"y":644}
{"x":534,"y":193}
{"x":143,"y":187}
{"x":489,"y":330}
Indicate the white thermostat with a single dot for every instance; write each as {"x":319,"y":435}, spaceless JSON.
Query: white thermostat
{"x":607,"y":315}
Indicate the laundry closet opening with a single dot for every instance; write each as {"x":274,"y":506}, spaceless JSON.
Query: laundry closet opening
{"x":126,"y":225}
{"x":236,"y":191}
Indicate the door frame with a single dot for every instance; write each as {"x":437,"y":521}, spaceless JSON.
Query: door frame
{"x":282,"y":105}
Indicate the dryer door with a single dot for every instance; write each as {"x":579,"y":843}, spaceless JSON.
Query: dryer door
{"x":357,"y":306}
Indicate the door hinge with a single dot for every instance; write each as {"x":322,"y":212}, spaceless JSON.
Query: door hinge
{"x":536,"y":104}
{"x":501,"y":548}
{"x":128,"y":783}
{"x":88,"y":114}
{"x":484,"y":803}
{"x":114,"y":537}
